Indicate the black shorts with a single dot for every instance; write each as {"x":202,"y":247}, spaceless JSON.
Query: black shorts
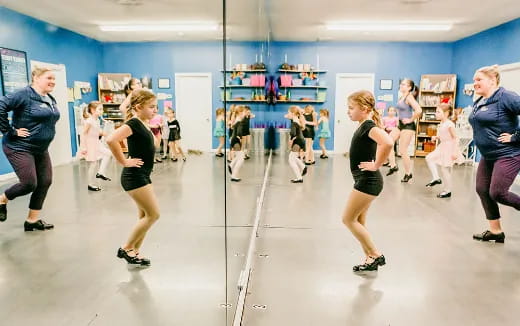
{"x":131,"y":181}
{"x":368,"y":182}
{"x":174,"y":135}
{"x":236,"y":141}
{"x":246,"y":132}
{"x":300,"y":142}
{"x":407,"y":126}
{"x":309,"y":133}
{"x":230,"y":132}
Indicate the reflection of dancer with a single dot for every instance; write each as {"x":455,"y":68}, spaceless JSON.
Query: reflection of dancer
{"x":296,"y":143}
{"x":135,"y":177}
{"x":409,"y":112}
{"x":92,"y":148}
{"x":447,"y":153}
{"x":495,"y":130}
{"x":230,"y":121}
{"x":236,"y":144}
{"x":324,"y":134}
{"x":220,"y":130}
{"x":309,"y":133}
{"x":246,"y":138}
{"x":368,"y":150}
{"x":26,"y":142}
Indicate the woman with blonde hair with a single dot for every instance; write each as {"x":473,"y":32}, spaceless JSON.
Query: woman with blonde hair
{"x":26,"y":141}
{"x":137,"y":168}
{"x":496,"y":133}
{"x":369,"y":149}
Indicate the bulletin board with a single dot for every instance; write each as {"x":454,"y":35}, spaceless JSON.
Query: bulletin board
{"x":13,"y":71}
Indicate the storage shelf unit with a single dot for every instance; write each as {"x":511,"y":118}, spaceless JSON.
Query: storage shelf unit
{"x":433,"y":90}
{"x":256,"y":91}
{"x":319,"y":90}
{"x":300,"y":71}
{"x":111,"y":94}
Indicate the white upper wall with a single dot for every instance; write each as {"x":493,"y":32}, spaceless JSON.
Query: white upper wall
{"x":288,"y":20}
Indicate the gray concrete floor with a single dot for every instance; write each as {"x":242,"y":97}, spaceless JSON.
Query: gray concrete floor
{"x":71,"y":276}
{"x":435,"y":275}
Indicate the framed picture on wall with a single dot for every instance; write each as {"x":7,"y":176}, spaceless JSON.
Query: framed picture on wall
{"x":164,"y":83}
{"x":13,"y":72}
{"x":385,"y":84}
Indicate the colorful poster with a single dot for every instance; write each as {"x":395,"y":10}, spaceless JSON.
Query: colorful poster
{"x":14,"y":70}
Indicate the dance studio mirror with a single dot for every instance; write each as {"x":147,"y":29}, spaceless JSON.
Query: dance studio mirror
{"x":247,"y":60}
{"x":170,"y":55}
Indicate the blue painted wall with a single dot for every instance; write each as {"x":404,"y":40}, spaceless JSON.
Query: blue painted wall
{"x":85,"y":57}
{"x":386,"y":60}
{"x":48,"y":43}
{"x":498,"y":45}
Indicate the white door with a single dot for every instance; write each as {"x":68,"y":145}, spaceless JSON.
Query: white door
{"x":510,"y":77}
{"x":344,"y":128}
{"x":60,"y":149}
{"x":193,"y":105}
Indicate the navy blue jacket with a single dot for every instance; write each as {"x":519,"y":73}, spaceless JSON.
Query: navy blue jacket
{"x":499,"y":114}
{"x":30,"y":111}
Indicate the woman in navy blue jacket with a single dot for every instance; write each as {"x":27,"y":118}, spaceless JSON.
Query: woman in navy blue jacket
{"x":26,"y":141}
{"x":496,"y":132}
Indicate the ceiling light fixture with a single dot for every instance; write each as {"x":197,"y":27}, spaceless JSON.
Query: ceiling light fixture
{"x":389,"y":26}
{"x":160,"y":28}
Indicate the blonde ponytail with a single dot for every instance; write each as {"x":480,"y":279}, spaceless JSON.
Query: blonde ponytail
{"x":377,"y":118}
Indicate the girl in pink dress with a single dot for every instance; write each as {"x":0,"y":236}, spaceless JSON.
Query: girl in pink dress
{"x":390,"y":123}
{"x":446,"y":153}
{"x":156,"y":127}
{"x":91,"y":147}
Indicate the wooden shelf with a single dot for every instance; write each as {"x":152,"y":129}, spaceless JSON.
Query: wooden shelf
{"x":241,"y":86}
{"x":114,"y":118}
{"x":111,"y":90}
{"x":249,"y":101}
{"x":300,"y":101}
{"x":423,"y":136}
{"x":421,"y":153}
{"x":300,"y":71}
{"x":111,"y":103}
{"x":247,"y":70}
{"x":429,"y":121}
{"x":434,"y":92}
{"x":316,"y":87}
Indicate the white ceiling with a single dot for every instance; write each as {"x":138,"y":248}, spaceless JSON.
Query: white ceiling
{"x":288,"y":20}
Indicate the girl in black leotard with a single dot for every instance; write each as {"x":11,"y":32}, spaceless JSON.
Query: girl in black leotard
{"x":369,"y":149}
{"x":236,"y":144}
{"x":246,"y":138}
{"x":135,"y":177}
{"x":296,"y":143}
{"x":308,"y":133}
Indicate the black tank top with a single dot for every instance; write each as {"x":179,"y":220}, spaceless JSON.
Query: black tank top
{"x":245,"y":124}
{"x":296,"y":130}
{"x":362,"y":147}
{"x":309,"y":117}
{"x":140,"y":145}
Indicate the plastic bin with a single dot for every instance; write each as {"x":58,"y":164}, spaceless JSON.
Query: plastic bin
{"x":257,"y":140}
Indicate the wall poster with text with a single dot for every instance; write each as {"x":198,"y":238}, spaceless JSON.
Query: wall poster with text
{"x":13,"y":70}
